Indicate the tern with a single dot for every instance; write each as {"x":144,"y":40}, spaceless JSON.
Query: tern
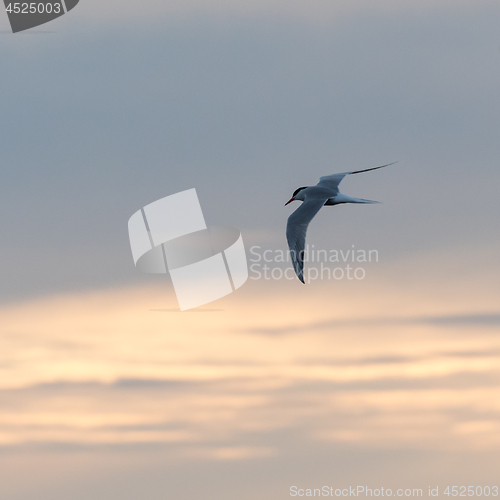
{"x":326,"y":192}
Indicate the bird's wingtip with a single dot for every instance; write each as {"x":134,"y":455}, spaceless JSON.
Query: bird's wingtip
{"x":373,"y":168}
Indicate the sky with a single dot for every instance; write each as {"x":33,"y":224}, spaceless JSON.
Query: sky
{"x":107,"y":392}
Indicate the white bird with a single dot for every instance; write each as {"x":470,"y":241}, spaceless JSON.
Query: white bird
{"x":326,"y":192}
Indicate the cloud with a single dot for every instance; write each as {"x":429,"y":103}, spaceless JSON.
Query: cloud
{"x":317,"y":11}
{"x":199,"y":387}
{"x":251,"y":106}
{"x":230,"y":420}
{"x":478,"y":320}
{"x":485,"y":319}
{"x":380,"y":381}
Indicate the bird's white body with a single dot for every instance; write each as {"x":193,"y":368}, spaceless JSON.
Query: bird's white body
{"x":333,"y":198}
{"x":326,"y":192}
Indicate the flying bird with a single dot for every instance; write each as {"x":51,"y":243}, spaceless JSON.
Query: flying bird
{"x":326,"y":192}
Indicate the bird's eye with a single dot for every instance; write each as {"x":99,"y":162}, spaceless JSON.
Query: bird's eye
{"x":298,"y":190}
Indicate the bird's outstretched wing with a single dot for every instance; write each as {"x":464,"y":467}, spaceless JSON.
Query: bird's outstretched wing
{"x":296,"y":229}
{"x":333,"y":181}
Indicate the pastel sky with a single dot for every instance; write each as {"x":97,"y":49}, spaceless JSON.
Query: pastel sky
{"x":107,"y":392}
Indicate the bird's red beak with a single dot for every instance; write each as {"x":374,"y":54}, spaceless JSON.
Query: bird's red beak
{"x":289,"y":201}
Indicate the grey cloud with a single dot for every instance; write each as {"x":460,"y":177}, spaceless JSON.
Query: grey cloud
{"x":99,"y":121}
{"x":239,"y":385}
{"x":492,"y":319}
{"x":155,"y":384}
{"x":243,"y":110}
{"x":477,"y":320}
